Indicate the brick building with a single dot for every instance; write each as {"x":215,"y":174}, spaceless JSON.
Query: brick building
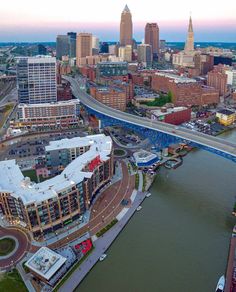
{"x":175,"y":116}
{"x":185,"y":91}
{"x":110,"y":96}
{"x":217,"y":78}
{"x":64,"y":91}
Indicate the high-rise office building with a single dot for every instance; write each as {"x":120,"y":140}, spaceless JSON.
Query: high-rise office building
{"x":36,"y":79}
{"x":126,"y":28}
{"x":72,"y":44}
{"x":104,"y":48}
{"x":95,"y":42}
{"x":152,"y":37}
{"x":125,"y":53}
{"x":62,"y":46}
{"x":83,"y":46}
{"x":189,"y":45}
{"x":145,"y":55}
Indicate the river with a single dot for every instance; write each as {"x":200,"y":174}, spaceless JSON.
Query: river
{"x":179,"y":241}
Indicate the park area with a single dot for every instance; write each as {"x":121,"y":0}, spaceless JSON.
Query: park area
{"x":7,"y":245}
{"x":12,"y":281}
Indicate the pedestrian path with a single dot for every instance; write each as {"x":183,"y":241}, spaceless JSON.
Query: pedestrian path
{"x":101,"y":245}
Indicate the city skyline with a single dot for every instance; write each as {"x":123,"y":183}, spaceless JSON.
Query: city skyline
{"x":44,"y":24}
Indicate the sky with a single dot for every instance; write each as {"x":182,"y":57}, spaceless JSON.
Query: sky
{"x":29,"y":20}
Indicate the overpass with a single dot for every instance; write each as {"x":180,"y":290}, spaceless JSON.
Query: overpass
{"x":159,"y":133}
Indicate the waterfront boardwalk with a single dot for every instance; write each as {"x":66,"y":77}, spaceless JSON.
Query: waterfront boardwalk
{"x":229,"y":286}
{"x":101,"y":245}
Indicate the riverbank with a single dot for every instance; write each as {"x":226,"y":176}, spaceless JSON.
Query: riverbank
{"x":101,"y":245}
{"x":230,"y":284}
{"x":180,"y":231}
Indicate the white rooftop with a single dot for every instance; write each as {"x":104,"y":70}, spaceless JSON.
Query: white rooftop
{"x":12,"y":180}
{"x":45,"y":262}
{"x":176,"y":78}
{"x":160,"y":112}
{"x":144,"y":156}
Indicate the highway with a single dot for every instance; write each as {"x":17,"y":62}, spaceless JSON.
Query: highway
{"x":212,"y":142}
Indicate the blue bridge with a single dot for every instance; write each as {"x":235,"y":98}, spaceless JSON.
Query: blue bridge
{"x":160,"y":134}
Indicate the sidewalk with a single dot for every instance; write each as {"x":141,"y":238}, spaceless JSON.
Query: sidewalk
{"x":101,"y":245}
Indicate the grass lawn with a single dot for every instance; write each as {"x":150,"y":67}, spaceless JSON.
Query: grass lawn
{"x":105,"y":229}
{"x":11,"y":282}
{"x":31,"y":173}
{"x":7,"y":245}
{"x":119,"y":152}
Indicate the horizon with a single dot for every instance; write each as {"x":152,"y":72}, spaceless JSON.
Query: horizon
{"x":37,"y":25}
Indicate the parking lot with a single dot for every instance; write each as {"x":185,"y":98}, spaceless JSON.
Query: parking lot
{"x":35,"y":146}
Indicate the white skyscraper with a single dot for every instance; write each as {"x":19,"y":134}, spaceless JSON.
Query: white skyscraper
{"x":36,"y":79}
{"x":95,"y":42}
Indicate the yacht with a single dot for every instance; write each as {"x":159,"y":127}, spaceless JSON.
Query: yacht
{"x":221,"y":284}
{"x":148,"y":195}
{"x":102,"y":257}
{"x":139,"y":208}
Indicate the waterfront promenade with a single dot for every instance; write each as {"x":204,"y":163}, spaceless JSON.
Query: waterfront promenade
{"x":101,"y":245}
{"x":229,"y":286}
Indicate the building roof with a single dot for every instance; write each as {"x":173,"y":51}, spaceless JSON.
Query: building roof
{"x":176,"y":78}
{"x":160,"y":112}
{"x":226,"y":112}
{"x":45,"y":262}
{"x":145,"y":158}
{"x":50,"y":104}
{"x":12,"y":180}
{"x":126,"y":9}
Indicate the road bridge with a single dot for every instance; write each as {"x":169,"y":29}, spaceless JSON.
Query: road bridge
{"x":161,"y":134}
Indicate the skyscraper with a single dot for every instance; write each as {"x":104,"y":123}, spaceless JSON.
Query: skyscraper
{"x":83,"y":46}
{"x":152,"y":37}
{"x":36,"y":79}
{"x":126,"y":28}
{"x":189,"y":45}
{"x":62,"y":46}
{"x":72,"y":44}
{"x":145,"y":55}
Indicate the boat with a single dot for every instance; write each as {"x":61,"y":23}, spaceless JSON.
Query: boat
{"x":148,"y":195}
{"x":139,"y":208}
{"x":221,"y":284}
{"x":102,"y":257}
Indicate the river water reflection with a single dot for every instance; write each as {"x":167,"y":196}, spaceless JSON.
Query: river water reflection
{"x":179,"y":241}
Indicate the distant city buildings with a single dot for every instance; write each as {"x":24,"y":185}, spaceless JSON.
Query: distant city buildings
{"x":36,"y":79}
{"x":126,"y":28}
{"x":185,"y":91}
{"x":189,"y":45}
{"x":62,"y":46}
{"x":145,"y":55}
{"x":186,"y":58}
{"x":217,"y":78}
{"x":125,"y":53}
{"x":83,"y":46}
{"x":110,"y":69}
{"x":152,"y":37}
{"x":72,"y":44}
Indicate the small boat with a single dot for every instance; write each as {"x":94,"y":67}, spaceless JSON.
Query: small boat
{"x":148,"y":195}
{"x":221,"y":284}
{"x":139,"y":208}
{"x":102,"y":257}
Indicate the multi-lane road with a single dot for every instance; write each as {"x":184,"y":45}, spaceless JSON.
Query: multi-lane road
{"x":214,"y":143}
